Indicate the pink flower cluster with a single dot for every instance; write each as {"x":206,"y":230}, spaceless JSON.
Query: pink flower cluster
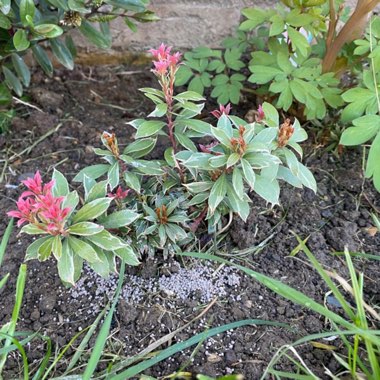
{"x":38,"y":206}
{"x":164,"y":60}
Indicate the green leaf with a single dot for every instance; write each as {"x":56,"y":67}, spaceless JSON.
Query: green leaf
{"x":373,"y":168}
{"x":269,"y":190}
{"x":299,"y":42}
{"x":128,"y":255}
{"x":198,"y":126}
{"x":57,"y":247}
{"x":48,"y":30}
{"x":271,"y":115}
{"x":5,"y":95}
{"x":262,"y":74}
{"x":238,"y":204}
{"x":217,"y":193}
{"x":160,"y":110}
{"x":232,"y":159}
{"x":199,"y":187}
{"x":62,"y":53}
{"x":5,"y":23}
{"x":149,"y":128}
{"x":256,"y":16}
{"x":65,"y":264}
{"x":248,"y":172}
{"x":21,"y":69}
{"x":71,"y":46}
{"x":366,"y":127}
{"x":169,"y":157}
{"x":78,"y":6}
{"x":94,"y":36}
{"x":140,"y":148}
{"x":85,"y":229}
{"x":237,"y":182}
{"x":83,"y":249}
{"x":61,"y":186}
{"x":183,"y":75}
{"x":92,"y":210}
{"x":149,"y":167}
{"x":186,"y":142}
{"x":32,"y":250}
{"x":133,"y":181}
{"x":27,"y":8}
{"x":113,"y":175}
{"x":98,"y":190}
{"x":93,"y":171}
{"x":44,"y":249}
{"x":42,"y":59}
{"x":286,"y":175}
{"x":101,"y":267}
{"x":71,"y":201}
{"x":20,"y":40}
{"x":189,"y":95}
{"x":107,"y":241}
{"x":277,"y":25}
{"x":5,"y":6}
{"x":32,"y":229}
{"x":12,"y":81}
{"x":119,"y":219}
{"x":306,"y":177}
{"x":221,"y":136}
{"x":218,"y":161}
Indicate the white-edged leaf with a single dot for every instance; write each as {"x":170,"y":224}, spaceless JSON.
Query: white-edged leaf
{"x":119,"y":219}
{"x":85,"y":229}
{"x":83,"y":249}
{"x":92,"y":210}
{"x":217,"y":193}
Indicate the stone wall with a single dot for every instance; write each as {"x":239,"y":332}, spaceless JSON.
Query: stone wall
{"x":183,"y":24}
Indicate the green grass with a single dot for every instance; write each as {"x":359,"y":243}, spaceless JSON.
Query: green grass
{"x":353,"y":324}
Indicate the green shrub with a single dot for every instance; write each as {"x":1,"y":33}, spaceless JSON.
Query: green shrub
{"x":39,"y":25}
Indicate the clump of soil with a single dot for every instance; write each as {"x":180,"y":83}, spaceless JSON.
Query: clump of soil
{"x":75,"y":108}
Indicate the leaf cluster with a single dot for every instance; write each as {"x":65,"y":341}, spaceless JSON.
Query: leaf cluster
{"x":220,"y":69}
{"x":25,"y":24}
{"x":363,"y":109}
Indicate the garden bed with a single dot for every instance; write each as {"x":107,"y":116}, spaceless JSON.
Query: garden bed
{"x":74,"y":109}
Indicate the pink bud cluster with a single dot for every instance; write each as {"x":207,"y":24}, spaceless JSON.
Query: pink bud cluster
{"x":221,"y":111}
{"x":119,"y":194}
{"x":165,"y":61}
{"x":38,"y":206}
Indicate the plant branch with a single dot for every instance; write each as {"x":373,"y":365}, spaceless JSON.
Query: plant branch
{"x":353,"y":27}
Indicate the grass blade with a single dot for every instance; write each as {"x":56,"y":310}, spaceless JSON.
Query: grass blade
{"x":338,"y":295}
{"x":5,"y":239}
{"x":138,"y":368}
{"x":18,"y":345}
{"x":4,"y":280}
{"x":104,"y":331}
{"x":84,"y":342}
{"x":15,"y":313}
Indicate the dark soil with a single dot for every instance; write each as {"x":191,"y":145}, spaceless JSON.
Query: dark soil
{"x":79,"y":105}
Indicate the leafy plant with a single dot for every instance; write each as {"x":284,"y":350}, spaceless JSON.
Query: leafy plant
{"x":70,"y":234}
{"x":220,"y":69}
{"x":159,"y":204}
{"x":364,"y":104}
{"x":26,"y":25}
